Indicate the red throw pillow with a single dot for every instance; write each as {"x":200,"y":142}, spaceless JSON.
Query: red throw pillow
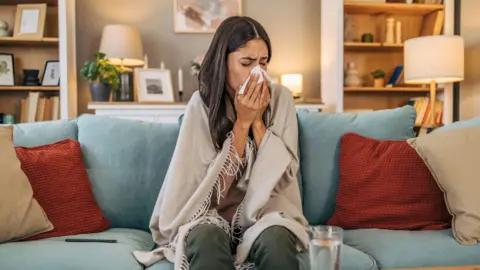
{"x":60,"y":184}
{"x":386,"y":185}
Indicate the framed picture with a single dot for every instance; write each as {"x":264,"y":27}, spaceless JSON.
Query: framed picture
{"x":7,"y":69}
{"x":203,"y":16}
{"x":51,"y":73}
{"x":30,"y":20}
{"x":154,"y":85}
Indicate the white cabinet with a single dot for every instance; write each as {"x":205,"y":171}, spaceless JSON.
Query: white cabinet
{"x":158,"y":113}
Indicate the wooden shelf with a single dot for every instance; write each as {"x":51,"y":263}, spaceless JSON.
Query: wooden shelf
{"x":391,"y":8}
{"x":29,"y":41}
{"x":18,"y":2}
{"x":386,"y":89}
{"x":371,"y":45}
{"x":29,"y":88}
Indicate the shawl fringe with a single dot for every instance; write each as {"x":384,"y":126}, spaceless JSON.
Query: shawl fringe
{"x":231,"y":167}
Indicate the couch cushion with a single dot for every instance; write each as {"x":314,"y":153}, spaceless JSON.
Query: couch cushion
{"x":473,"y":122}
{"x":452,"y":157}
{"x":352,"y":259}
{"x":319,"y":135}
{"x":60,"y":184}
{"x":56,"y":254}
{"x":21,"y":215}
{"x":398,"y":190}
{"x":126,"y":163}
{"x":41,"y":133}
{"x":412,"y":249}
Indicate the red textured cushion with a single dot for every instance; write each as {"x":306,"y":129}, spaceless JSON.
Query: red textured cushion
{"x":386,"y":185}
{"x":60,"y":184}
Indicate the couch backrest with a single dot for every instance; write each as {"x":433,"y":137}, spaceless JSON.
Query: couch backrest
{"x":126,"y":163}
{"x":127,"y":160}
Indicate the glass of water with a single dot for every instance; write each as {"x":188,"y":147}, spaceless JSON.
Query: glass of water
{"x":325,"y":244}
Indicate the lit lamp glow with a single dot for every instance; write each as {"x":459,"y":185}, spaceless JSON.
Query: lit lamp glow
{"x":294,"y":82}
{"x":122,"y":45}
{"x":432,"y":60}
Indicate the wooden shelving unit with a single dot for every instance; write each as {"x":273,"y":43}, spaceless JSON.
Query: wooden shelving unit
{"x":12,"y":41}
{"x":371,"y":46}
{"x":29,"y":88}
{"x":362,"y":18}
{"x":33,"y":53}
{"x":387,"y":89}
{"x":390,"y":8}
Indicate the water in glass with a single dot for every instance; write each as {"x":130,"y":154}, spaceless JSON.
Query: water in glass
{"x":325,"y":247}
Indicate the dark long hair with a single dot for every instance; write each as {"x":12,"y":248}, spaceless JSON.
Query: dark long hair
{"x":232,"y":34}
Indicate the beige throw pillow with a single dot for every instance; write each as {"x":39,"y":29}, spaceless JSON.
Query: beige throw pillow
{"x":20,"y":214}
{"x":453,"y":157}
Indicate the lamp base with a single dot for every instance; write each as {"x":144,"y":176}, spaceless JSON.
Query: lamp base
{"x":125,"y":90}
{"x":433,"y":92}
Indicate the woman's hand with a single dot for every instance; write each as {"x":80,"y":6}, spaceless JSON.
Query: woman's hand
{"x":264,"y":101}
{"x":249,"y":105}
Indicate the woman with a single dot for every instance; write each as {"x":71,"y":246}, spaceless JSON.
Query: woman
{"x":231,"y":187}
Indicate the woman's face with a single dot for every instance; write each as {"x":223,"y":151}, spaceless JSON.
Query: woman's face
{"x":242,"y":61}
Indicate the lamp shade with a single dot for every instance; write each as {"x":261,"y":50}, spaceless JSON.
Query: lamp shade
{"x":122,"y":45}
{"x":434,"y":58}
{"x":294,"y":82}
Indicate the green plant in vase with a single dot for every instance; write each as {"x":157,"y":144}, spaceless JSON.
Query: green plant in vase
{"x":378,"y":78}
{"x":102,"y":75}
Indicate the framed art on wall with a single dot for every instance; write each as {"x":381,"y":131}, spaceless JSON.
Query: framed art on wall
{"x":30,"y":20}
{"x":154,"y":85}
{"x":7,"y":69}
{"x":203,"y":16}
{"x":51,"y":73}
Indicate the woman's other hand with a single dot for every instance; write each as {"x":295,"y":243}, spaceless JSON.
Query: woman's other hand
{"x":264,"y":101}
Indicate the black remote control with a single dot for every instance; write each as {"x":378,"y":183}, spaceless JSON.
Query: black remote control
{"x":79,"y":240}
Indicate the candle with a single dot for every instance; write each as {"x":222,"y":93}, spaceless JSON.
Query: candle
{"x":145,"y":65}
{"x":180,"y":80}
{"x":162,"y":65}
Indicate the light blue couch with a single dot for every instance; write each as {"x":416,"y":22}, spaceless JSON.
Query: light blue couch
{"x":127,"y":162}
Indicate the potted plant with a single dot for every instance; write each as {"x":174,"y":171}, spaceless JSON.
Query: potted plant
{"x":102,"y":75}
{"x":378,"y":78}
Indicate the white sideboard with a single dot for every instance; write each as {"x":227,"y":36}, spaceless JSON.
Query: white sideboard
{"x":158,"y":112}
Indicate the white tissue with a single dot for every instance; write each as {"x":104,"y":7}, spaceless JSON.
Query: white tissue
{"x":256,"y":70}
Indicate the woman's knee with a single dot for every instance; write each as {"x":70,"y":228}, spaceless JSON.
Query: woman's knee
{"x":276,"y":236}
{"x":206,"y":235}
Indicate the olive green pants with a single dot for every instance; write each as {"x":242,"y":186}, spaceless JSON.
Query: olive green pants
{"x":208,"y":248}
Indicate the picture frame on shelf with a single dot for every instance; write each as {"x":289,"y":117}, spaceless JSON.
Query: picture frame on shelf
{"x":203,"y":16}
{"x":51,"y":73}
{"x":30,"y":21}
{"x":154,"y":85}
{"x":7,"y":69}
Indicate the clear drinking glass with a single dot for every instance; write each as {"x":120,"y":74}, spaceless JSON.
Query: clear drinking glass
{"x":325,"y":245}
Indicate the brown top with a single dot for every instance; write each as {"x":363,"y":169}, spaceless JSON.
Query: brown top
{"x":232,"y":198}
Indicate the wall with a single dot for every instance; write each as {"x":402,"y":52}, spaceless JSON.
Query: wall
{"x":293,"y":26}
{"x":470,"y":87}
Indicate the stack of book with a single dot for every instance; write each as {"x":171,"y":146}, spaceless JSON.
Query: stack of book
{"x":36,"y":108}
{"x":422,"y":106}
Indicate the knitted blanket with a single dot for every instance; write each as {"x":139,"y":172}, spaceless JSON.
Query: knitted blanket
{"x":196,"y":172}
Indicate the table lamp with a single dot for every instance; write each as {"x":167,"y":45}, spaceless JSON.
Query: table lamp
{"x":122,"y":45}
{"x":294,"y":82}
{"x":431,"y":60}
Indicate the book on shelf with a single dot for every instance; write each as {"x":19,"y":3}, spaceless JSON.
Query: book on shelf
{"x":422,"y":107}
{"x":37,"y":108}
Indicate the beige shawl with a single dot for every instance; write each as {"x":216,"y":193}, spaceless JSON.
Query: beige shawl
{"x":197,"y":170}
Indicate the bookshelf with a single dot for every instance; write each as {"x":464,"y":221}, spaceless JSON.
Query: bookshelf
{"x":55,"y":43}
{"x":344,"y":23}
